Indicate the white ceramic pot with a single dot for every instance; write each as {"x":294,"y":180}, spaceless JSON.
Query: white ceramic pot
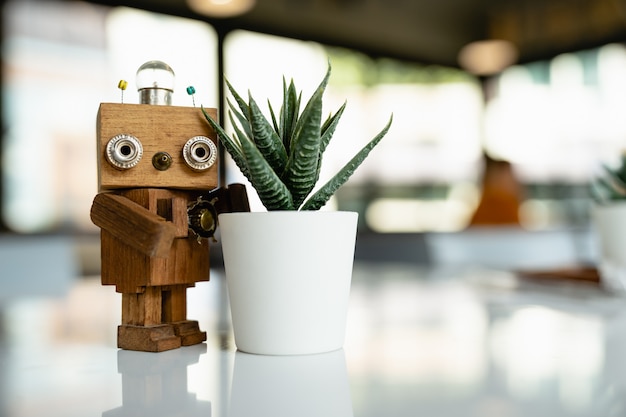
{"x":610,"y":226}
{"x":288,"y":276}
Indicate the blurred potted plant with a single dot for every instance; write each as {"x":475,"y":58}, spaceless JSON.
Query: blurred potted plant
{"x":289,"y":268}
{"x":609,"y":218}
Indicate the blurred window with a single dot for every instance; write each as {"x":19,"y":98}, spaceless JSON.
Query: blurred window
{"x":60,"y":60}
{"x":555,"y":121}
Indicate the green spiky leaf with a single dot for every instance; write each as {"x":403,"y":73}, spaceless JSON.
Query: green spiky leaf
{"x":243,"y":121}
{"x":240,"y":101}
{"x":289,"y":113}
{"x":231,"y":145}
{"x":274,"y":119}
{"x":321,"y":197}
{"x":301,"y":172}
{"x":266,"y":139}
{"x":328,"y":129}
{"x":271,"y":190}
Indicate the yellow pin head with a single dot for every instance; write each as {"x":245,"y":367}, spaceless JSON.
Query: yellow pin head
{"x":122,"y":86}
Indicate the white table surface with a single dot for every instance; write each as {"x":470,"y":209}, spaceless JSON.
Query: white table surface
{"x":472,"y":342}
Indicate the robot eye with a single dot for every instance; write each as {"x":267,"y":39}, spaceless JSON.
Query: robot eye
{"x":124,"y":151}
{"x":200,"y":153}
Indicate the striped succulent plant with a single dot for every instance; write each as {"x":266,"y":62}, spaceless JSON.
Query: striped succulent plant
{"x":282,"y":158}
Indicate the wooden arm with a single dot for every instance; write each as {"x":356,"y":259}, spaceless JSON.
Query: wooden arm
{"x":230,"y":199}
{"x":131,"y":223}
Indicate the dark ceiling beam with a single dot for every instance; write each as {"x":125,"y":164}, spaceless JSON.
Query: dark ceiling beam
{"x":384,"y":45}
{"x":423,"y":31}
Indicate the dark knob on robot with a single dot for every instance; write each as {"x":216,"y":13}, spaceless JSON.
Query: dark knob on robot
{"x":202,"y":218}
{"x":162,"y":161}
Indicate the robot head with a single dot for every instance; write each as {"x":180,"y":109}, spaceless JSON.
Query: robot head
{"x":142,"y":145}
{"x":153,"y":144}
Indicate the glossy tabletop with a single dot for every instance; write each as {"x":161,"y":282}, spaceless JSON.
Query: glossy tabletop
{"x":420,"y":342}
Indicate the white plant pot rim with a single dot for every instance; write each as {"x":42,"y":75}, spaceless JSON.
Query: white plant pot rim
{"x":298,"y":213}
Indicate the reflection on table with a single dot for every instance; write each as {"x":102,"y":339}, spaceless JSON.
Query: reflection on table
{"x":156,"y":385}
{"x":421,"y":341}
{"x":287,"y":386}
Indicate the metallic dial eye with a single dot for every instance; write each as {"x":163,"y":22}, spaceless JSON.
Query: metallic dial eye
{"x":200,"y":153}
{"x":124,"y":151}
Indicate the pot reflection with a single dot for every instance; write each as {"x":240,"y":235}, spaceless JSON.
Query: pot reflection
{"x":156,"y":384}
{"x":287,"y":386}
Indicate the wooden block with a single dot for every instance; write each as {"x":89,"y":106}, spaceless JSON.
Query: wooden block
{"x":189,"y":332}
{"x":233,"y":198}
{"x":152,"y":305}
{"x":238,"y":198}
{"x":143,"y":309}
{"x":187,"y":263}
{"x":130,"y":312}
{"x":127,"y":221}
{"x":190,"y":261}
{"x":130,"y":270}
{"x":123,"y":266}
{"x":169,"y":204}
{"x":147,"y":338}
{"x":159,"y":129}
{"x":175,"y":304}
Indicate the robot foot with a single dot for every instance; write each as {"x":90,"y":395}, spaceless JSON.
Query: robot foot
{"x":189,"y":332}
{"x":155,"y":338}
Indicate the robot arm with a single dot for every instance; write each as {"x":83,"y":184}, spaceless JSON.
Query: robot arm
{"x":128,"y":221}
{"x":230,"y":199}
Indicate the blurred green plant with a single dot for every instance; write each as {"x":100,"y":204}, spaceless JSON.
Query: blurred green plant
{"x":611,"y":185}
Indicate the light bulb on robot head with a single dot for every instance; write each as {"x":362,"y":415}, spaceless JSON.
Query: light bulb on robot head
{"x":155,"y":83}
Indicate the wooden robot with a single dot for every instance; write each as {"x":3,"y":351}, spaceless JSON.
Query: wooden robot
{"x":157,"y":208}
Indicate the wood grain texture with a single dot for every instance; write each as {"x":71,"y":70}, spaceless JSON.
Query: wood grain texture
{"x":233,"y":198}
{"x":159,"y":129}
{"x":175,"y":304}
{"x":142,"y":309}
{"x":184,"y":262}
{"x":169,"y":204}
{"x":141,"y":229}
{"x":189,"y":332}
{"x":156,"y":338}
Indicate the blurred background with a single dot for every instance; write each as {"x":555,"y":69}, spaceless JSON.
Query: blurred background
{"x":536,"y":86}
{"x":503,"y":112}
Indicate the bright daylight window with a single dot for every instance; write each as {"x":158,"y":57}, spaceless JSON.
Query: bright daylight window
{"x":61,"y":59}
{"x":556,"y":121}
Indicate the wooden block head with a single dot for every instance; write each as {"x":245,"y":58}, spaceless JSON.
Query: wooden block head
{"x":142,"y":145}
